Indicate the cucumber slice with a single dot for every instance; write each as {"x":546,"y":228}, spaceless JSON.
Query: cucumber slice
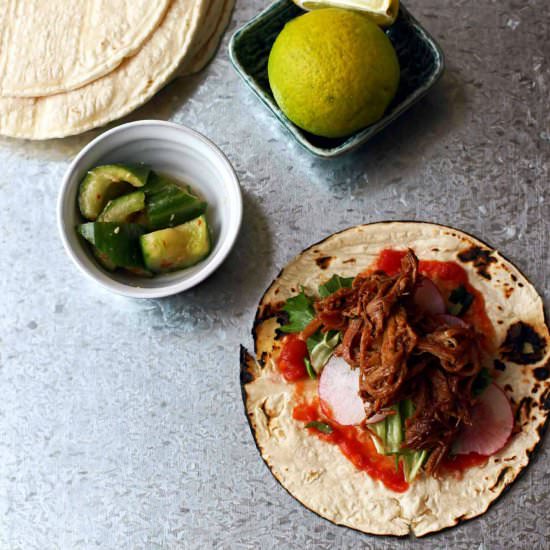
{"x":177,"y":247}
{"x":169,"y":204}
{"x":103,"y":259}
{"x":121,"y":210}
{"x":107,"y":182}
{"x":119,"y":243}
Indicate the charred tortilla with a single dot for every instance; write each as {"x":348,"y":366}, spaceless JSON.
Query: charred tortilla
{"x":316,"y":473}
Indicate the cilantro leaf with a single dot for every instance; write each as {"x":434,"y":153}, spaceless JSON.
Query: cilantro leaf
{"x":320,"y":426}
{"x":460,"y":300}
{"x":333,"y":284}
{"x":483,"y":379}
{"x":300,"y":312}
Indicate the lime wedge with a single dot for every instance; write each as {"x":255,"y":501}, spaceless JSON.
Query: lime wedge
{"x":382,"y":12}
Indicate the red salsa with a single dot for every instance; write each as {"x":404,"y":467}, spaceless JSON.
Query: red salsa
{"x":291,"y":359}
{"x":356,"y":445}
{"x":458,"y":463}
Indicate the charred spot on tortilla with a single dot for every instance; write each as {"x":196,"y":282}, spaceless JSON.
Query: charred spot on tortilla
{"x":541,"y":373}
{"x":523,"y":344}
{"x":523,"y":410}
{"x":271,"y":309}
{"x":349,"y":261}
{"x":480,"y":257}
{"x":500,"y":478}
{"x":283,"y":318}
{"x":508,"y":291}
{"x":499,"y":365}
{"x":513,"y":277}
{"x":263,"y":358}
{"x":245,"y":375}
{"x":323,"y":262}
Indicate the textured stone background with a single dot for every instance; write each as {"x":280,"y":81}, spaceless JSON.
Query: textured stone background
{"x":121,"y":423}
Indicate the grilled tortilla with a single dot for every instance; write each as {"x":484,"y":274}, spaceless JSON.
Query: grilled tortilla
{"x":133,"y":82}
{"x":217,"y":19}
{"x":53,"y":46}
{"x":315,"y":472}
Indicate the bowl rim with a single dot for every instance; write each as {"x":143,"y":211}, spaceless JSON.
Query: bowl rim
{"x":105,"y":281}
{"x":360,"y":137}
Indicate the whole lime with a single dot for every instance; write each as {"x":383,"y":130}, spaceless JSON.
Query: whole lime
{"x":333,"y":72}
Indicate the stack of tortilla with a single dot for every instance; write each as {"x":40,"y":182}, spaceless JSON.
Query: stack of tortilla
{"x":67,"y":67}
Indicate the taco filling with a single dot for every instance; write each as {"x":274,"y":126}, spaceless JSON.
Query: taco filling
{"x":403,"y":356}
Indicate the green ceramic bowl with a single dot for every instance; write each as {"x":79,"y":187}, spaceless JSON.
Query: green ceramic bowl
{"x":420,"y":58}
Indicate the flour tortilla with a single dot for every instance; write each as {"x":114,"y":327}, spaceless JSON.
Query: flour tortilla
{"x":315,"y":472}
{"x":218,"y":17}
{"x":114,"y":95}
{"x":52,"y":46}
{"x":204,"y":32}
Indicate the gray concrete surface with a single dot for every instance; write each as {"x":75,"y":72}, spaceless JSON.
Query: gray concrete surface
{"x":121,"y":422}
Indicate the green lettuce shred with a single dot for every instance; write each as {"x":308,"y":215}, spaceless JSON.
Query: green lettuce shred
{"x":309,"y":368}
{"x":320,"y":347}
{"x":388,"y":436}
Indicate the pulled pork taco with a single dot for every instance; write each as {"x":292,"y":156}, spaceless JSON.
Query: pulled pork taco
{"x":400,"y":377}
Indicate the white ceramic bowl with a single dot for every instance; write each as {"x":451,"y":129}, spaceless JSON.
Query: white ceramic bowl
{"x":174,"y":150}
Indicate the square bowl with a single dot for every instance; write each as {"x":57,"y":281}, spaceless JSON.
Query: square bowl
{"x":420,"y":58}
{"x":178,"y":152}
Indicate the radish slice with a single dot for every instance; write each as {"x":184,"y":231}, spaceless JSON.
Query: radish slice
{"x":378,"y":417}
{"x":452,"y":321}
{"x":428,"y":298}
{"x":339,"y":393}
{"x":492,"y":424}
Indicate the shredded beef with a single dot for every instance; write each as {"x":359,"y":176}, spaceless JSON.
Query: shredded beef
{"x":404,"y":353}
{"x":384,"y":366}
